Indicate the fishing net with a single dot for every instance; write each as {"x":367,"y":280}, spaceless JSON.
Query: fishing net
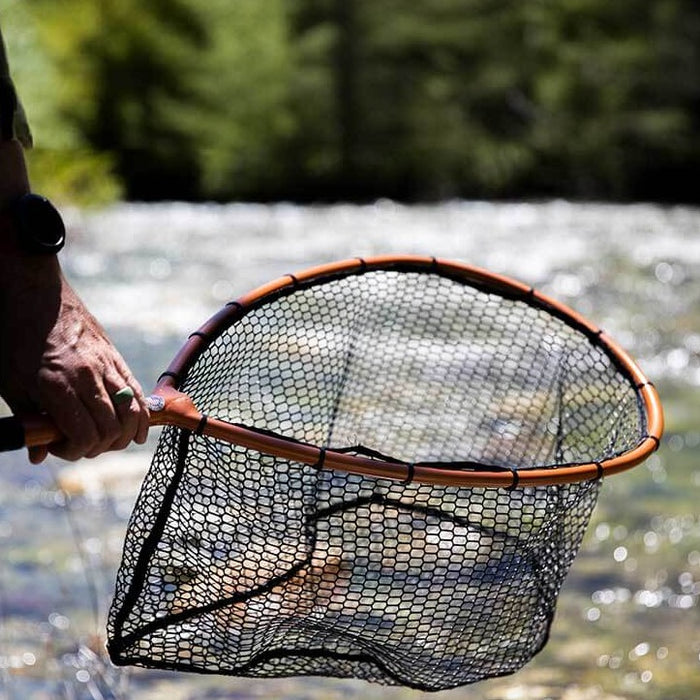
{"x":241,"y":562}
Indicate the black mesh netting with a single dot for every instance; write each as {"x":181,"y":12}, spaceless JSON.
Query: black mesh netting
{"x":241,"y":563}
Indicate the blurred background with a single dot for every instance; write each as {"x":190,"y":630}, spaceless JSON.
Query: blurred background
{"x":199,"y":149}
{"x":357,"y":99}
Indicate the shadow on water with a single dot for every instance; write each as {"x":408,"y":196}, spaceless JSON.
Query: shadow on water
{"x":628,"y":620}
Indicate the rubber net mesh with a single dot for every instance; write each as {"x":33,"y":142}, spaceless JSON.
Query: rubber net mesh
{"x":241,"y":563}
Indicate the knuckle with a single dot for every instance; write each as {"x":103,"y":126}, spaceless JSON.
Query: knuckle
{"x":70,"y":453}
{"x":113,"y":433}
{"x":120,"y":444}
{"x":86,"y":443}
{"x":131,"y":410}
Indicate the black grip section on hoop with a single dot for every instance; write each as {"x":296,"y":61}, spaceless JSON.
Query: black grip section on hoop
{"x":11,"y":434}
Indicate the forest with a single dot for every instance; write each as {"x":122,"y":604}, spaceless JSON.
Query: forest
{"x":354,"y":100}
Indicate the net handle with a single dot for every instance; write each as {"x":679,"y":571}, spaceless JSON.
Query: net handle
{"x":168,"y":406}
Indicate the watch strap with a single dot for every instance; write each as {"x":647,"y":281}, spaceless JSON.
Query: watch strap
{"x":31,"y":225}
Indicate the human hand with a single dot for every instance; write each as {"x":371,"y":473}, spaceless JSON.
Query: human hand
{"x":56,"y":358}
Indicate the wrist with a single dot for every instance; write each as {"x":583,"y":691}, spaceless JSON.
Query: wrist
{"x":30,"y":226}
{"x":14,"y":183}
{"x":21,"y":273}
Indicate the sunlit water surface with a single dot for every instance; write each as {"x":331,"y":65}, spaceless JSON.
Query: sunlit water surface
{"x":628,"y":622}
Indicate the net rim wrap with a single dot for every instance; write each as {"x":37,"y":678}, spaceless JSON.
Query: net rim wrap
{"x":464,"y":474}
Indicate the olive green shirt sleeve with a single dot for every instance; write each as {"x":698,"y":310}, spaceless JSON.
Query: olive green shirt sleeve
{"x":13,"y":122}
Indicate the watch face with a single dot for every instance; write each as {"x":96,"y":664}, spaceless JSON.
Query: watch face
{"x":41,"y":226}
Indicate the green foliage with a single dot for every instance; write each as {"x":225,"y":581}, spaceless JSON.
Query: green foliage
{"x":62,"y":165}
{"x":580,"y":98}
{"x":243,"y":79}
{"x":358,"y":99}
{"x":74,"y":176}
{"x":132,"y":91}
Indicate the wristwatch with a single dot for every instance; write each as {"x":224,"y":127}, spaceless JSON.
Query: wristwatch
{"x":39,"y":226}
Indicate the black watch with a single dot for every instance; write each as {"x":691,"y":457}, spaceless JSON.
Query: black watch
{"x":40,"y":229}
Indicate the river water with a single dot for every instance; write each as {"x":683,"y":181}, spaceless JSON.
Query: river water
{"x":628,"y":622}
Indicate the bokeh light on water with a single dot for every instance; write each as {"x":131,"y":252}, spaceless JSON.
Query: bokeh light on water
{"x":628,"y":621}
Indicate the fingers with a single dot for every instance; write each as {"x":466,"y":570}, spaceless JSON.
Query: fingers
{"x":115,"y":424}
{"x":92,"y":421}
{"x":72,"y":417}
{"x":119,"y":422}
{"x":140,"y":407}
{"x":62,"y":363}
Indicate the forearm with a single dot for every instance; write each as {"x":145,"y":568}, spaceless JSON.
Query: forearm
{"x":54,"y":355}
{"x":19,"y":271}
